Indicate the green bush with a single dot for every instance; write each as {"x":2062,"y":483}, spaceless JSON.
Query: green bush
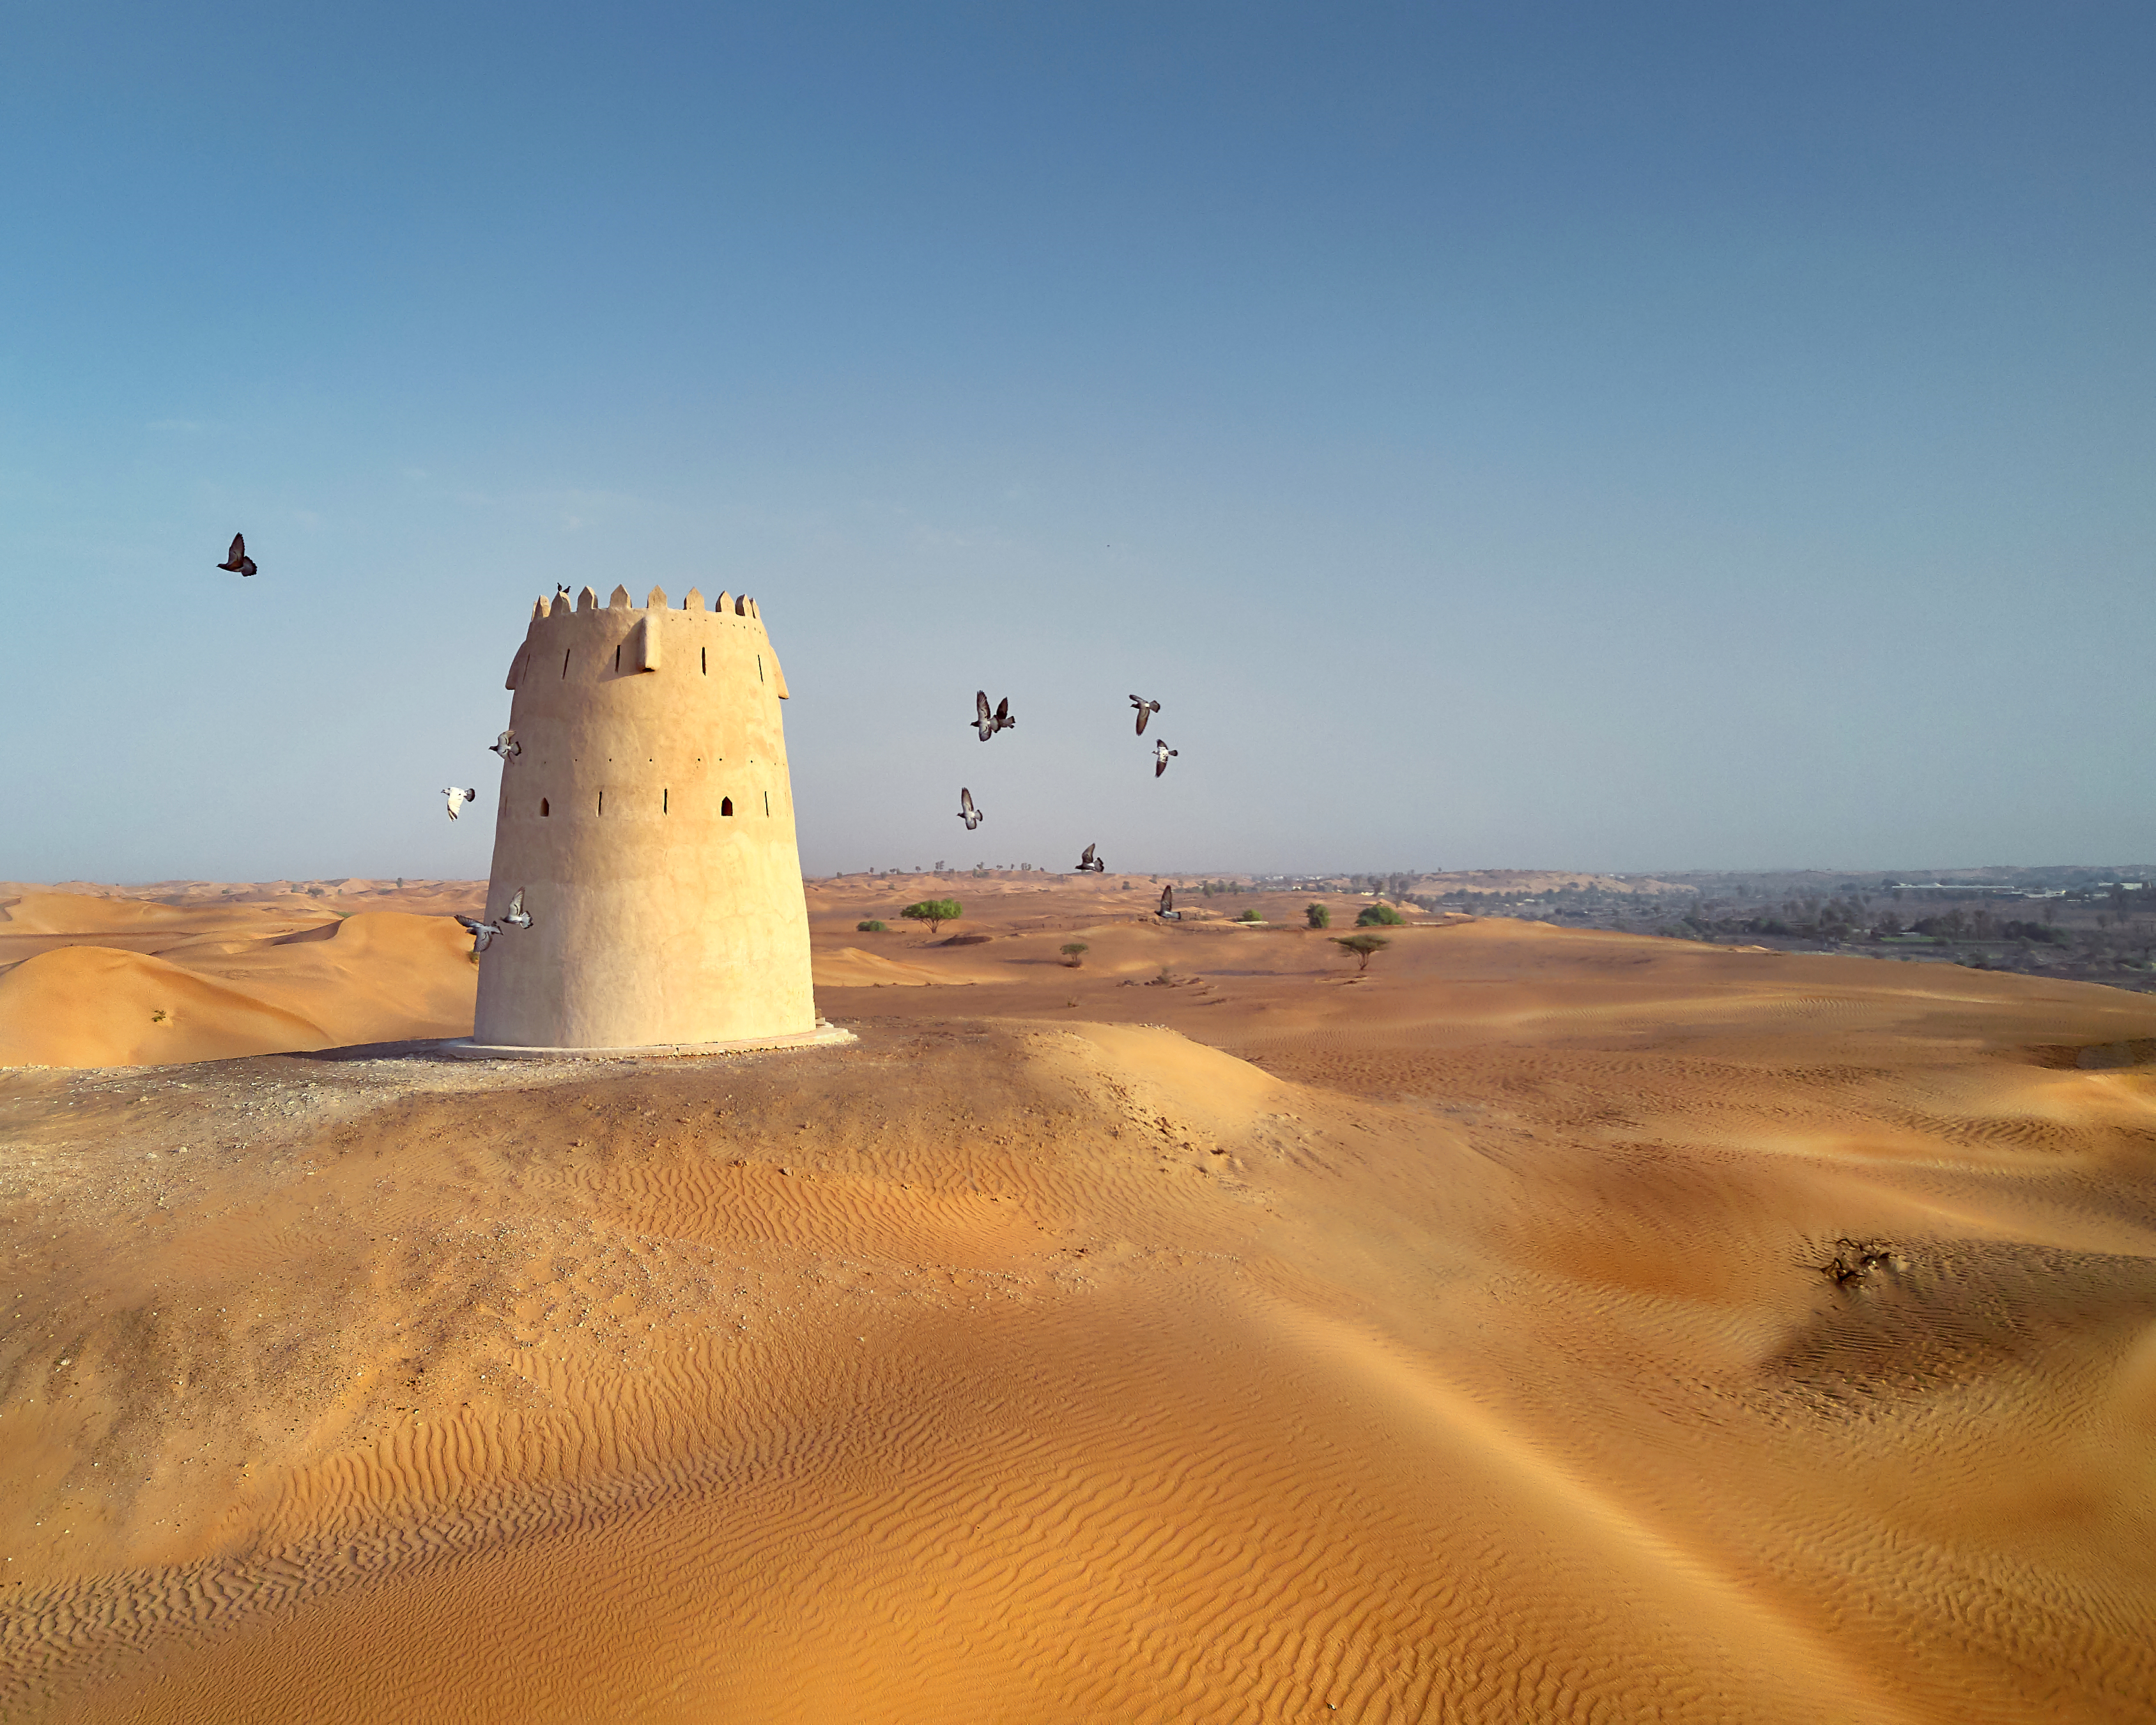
{"x":1253,"y":914}
{"x":1379,"y":916}
{"x":934,"y":911}
{"x":1319,"y":916}
{"x":868,"y":927}
{"x":1361,"y":945}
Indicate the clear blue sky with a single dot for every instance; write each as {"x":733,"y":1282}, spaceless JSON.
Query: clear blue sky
{"x":1616,"y":436}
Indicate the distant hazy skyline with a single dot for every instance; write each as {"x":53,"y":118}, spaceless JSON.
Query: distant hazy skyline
{"x":1622,"y":437}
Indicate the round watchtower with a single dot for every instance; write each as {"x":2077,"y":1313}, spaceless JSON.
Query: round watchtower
{"x":649,"y":822}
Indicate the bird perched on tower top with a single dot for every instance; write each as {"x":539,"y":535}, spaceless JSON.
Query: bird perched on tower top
{"x":972,"y":816}
{"x":458,"y":799}
{"x":1090,"y":864}
{"x":237,"y":559}
{"x":1146,"y":708}
{"x":988,"y":723}
{"x":1161,"y":755}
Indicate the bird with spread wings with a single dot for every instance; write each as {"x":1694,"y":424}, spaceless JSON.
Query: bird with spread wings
{"x":237,"y":560}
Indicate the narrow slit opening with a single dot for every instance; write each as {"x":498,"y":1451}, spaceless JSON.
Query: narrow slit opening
{"x":759,"y":667}
{"x":566,"y":652}
{"x":766,"y":801}
{"x":663,"y":796}
{"x":602,"y":802}
{"x":704,"y":660}
{"x":617,"y":659}
{"x":544,"y":811}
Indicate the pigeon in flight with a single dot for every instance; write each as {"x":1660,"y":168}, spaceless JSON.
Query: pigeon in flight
{"x":506,"y":745}
{"x":237,"y":560}
{"x":1161,"y":755}
{"x":1168,"y":913}
{"x":972,"y":816}
{"x":988,"y":723}
{"x":458,"y":799}
{"x":482,"y":933}
{"x":1090,"y":864}
{"x":1146,"y":708}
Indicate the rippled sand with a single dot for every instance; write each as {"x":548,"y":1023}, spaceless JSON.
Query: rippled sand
{"x":1085,"y":1345}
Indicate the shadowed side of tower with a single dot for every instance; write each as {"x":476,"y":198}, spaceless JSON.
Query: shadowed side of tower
{"x":649,"y":822}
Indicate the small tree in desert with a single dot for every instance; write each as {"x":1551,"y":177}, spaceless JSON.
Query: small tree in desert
{"x":1361,"y":945}
{"x":1318,"y":916}
{"x":934,"y":911}
{"x":1378,"y":915}
{"x":1074,"y":952}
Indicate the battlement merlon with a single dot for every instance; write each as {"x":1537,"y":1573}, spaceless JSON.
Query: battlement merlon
{"x":639,"y":626}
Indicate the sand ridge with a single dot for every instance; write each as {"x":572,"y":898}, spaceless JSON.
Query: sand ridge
{"x":1242,"y":1342}
{"x":101,"y":982}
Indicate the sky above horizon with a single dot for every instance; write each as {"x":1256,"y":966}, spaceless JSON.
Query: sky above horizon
{"x":1615,"y":438}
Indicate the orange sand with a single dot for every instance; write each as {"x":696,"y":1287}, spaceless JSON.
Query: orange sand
{"x":1253,"y":1344}
{"x":110,"y":982}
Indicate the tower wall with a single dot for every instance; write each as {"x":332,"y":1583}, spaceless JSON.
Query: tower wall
{"x":658,"y":916}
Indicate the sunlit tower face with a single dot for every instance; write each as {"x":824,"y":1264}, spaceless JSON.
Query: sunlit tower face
{"x":647,"y":819}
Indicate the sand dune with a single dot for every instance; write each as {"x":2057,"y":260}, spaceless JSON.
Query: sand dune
{"x":851,"y":968}
{"x":1243,"y":1343}
{"x":191,"y":984}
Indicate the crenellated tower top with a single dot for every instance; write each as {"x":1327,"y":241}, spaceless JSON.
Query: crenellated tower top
{"x":638,"y":631}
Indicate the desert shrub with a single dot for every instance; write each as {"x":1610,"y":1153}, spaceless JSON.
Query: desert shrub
{"x":1074,"y":953}
{"x":934,"y":911}
{"x":870,"y":926}
{"x":1319,"y":916}
{"x":2032,"y":931}
{"x":1253,"y":914}
{"x":1379,"y":916}
{"x":1361,"y":945}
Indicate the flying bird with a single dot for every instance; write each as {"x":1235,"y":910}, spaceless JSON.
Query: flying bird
{"x":988,"y":723}
{"x":1168,"y":913}
{"x":237,"y":560}
{"x":1161,"y":755}
{"x":972,"y":816}
{"x":506,"y":745}
{"x":482,"y":933}
{"x":1090,"y":864}
{"x":458,"y":799}
{"x":1146,"y":708}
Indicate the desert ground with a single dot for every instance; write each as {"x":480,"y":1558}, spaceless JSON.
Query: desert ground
{"x":1546,"y":1324}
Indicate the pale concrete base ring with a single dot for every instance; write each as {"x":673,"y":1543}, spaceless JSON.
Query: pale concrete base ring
{"x":824,"y":1035}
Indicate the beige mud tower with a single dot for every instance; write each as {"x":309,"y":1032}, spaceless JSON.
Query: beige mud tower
{"x":649,"y":822}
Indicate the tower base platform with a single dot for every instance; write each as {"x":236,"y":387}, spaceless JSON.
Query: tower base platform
{"x":824,"y":1035}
